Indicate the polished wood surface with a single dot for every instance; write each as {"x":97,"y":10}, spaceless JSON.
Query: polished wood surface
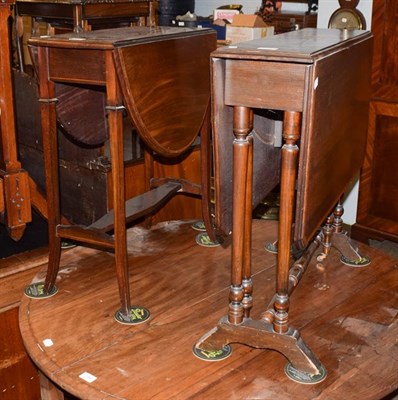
{"x":347,"y":315}
{"x":169,"y":127}
{"x":377,"y":215}
{"x":18,"y":374}
{"x":105,"y":59}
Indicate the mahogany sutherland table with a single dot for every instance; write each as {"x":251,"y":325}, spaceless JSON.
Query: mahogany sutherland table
{"x":137,"y":70}
{"x":316,"y":83}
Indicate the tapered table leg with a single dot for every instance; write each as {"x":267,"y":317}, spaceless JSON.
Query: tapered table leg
{"x":50,"y":150}
{"x":127,"y":314}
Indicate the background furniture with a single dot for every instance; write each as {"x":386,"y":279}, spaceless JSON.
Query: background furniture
{"x":82,"y":15}
{"x":169,"y":9}
{"x":15,"y":203}
{"x":377,"y":216}
{"x":290,"y":21}
{"x":285,"y":21}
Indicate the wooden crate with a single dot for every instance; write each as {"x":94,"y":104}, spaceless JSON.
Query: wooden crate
{"x":85,"y":172}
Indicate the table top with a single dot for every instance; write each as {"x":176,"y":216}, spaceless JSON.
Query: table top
{"x":117,"y":37}
{"x":303,"y":45}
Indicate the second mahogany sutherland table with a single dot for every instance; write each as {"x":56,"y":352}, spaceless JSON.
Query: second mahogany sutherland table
{"x":316,"y":83}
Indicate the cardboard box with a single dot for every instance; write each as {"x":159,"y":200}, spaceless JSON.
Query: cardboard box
{"x":246,"y":27}
{"x":228,"y":15}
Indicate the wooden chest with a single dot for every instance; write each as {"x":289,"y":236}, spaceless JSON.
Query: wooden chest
{"x":85,"y":171}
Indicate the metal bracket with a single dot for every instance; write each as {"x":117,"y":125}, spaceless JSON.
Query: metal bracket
{"x":48,"y":101}
{"x":115,"y":108}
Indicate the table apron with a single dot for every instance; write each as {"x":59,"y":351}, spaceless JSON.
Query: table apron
{"x":84,"y":66}
{"x":283,"y":84}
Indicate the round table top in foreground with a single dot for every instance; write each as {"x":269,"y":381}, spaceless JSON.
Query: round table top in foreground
{"x":346,"y":315}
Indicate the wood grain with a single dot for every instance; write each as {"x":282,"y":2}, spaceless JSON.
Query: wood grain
{"x":348,"y":316}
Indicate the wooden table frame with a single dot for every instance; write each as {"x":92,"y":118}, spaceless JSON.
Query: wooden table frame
{"x":295,"y":79}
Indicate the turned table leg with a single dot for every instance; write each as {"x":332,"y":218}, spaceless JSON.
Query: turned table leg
{"x":247,"y":282}
{"x":333,"y":235}
{"x":240,"y":292}
{"x":290,"y":151}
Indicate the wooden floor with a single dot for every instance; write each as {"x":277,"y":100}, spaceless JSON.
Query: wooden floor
{"x":347,"y":316}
